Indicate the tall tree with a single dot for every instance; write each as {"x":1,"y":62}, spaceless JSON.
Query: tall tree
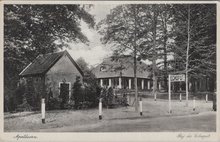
{"x":165,"y":41}
{"x":133,"y":29}
{"x":123,"y":29}
{"x":195,"y":27}
{"x":154,"y":29}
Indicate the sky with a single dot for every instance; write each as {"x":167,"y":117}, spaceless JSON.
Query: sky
{"x":95,"y":52}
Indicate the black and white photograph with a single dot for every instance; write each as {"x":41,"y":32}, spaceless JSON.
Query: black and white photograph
{"x":110,"y":68}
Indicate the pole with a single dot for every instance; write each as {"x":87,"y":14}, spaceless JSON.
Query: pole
{"x":43,"y":110}
{"x":140,"y":103}
{"x":194,"y":103}
{"x":100,"y":108}
{"x":206,"y":98}
{"x":170,"y":111}
{"x":155,"y":96}
{"x":180,"y":97}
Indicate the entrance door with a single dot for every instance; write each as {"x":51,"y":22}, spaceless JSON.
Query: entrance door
{"x":64,"y":93}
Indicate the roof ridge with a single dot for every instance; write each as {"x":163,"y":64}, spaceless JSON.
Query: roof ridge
{"x":54,"y":52}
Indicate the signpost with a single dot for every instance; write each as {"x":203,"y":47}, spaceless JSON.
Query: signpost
{"x":174,"y":78}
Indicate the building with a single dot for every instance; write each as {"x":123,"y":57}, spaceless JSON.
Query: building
{"x":53,"y":72}
{"x":119,"y":73}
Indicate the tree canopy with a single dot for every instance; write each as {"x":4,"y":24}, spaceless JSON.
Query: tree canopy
{"x":155,"y":31}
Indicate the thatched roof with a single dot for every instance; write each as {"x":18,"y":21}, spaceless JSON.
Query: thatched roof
{"x":122,"y":66}
{"x":44,"y":62}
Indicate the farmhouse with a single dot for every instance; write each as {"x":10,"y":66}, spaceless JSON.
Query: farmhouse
{"x":53,"y":72}
{"x":119,"y":73}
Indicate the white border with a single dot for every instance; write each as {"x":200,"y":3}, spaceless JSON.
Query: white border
{"x":100,"y":137}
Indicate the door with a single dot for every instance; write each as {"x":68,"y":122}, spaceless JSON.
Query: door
{"x":64,"y":93}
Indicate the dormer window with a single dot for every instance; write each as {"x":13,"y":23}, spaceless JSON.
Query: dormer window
{"x":103,"y":68}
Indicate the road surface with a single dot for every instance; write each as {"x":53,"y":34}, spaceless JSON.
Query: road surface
{"x":204,"y":122}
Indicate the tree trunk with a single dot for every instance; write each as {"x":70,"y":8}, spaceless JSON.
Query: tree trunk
{"x":165,"y":57}
{"x":154,"y":47}
{"x":187,"y":55}
{"x":135,"y":61}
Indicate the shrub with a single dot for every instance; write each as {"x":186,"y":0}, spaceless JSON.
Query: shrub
{"x":25,"y":106}
{"x":110,"y":96}
{"x":19,"y":94}
{"x":85,"y":96}
{"x":78,"y":93}
{"x":121,"y":100}
{"x":54,"y":103}
{"x":92,"y":95}
{"x":107,"y":96}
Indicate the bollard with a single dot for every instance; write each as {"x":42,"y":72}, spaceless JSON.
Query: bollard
{"x":155,"y":96}
{"x":43,"y":110}
{"x":194,"y":103}
{"x":140,"y":103}
{"x":180,"y":97}
{"x":100,"y":109}
{"x":206,"y":98}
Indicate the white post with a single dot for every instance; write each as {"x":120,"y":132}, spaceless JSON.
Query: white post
{"x":155,"y":96}
{"x":148,"y":84}
{"x":129,"y":83}
{"x":43,"y":110}
{"x":142,"y":84}
{"x":100,"y":109}
{"x":206,"y":98}
{"x":140,"y":104}
{"x":101,"y":82}
{"x":109,"y":82}
{"x":180,"y":97}
{"x":119,"y":82}
{"x":194,"y":103}
{"x":170,"y":111}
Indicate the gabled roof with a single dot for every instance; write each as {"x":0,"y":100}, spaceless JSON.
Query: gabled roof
{"x":123,"y":66}
{"x":44,"y":62}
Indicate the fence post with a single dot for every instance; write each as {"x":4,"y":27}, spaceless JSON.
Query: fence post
{"x":155,"y":96}
{"x":100,"y":108}
{"x":43,"y":110}
{"x":140,"y":103}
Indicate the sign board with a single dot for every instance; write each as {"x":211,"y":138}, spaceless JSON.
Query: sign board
{"x":177,"y":78}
